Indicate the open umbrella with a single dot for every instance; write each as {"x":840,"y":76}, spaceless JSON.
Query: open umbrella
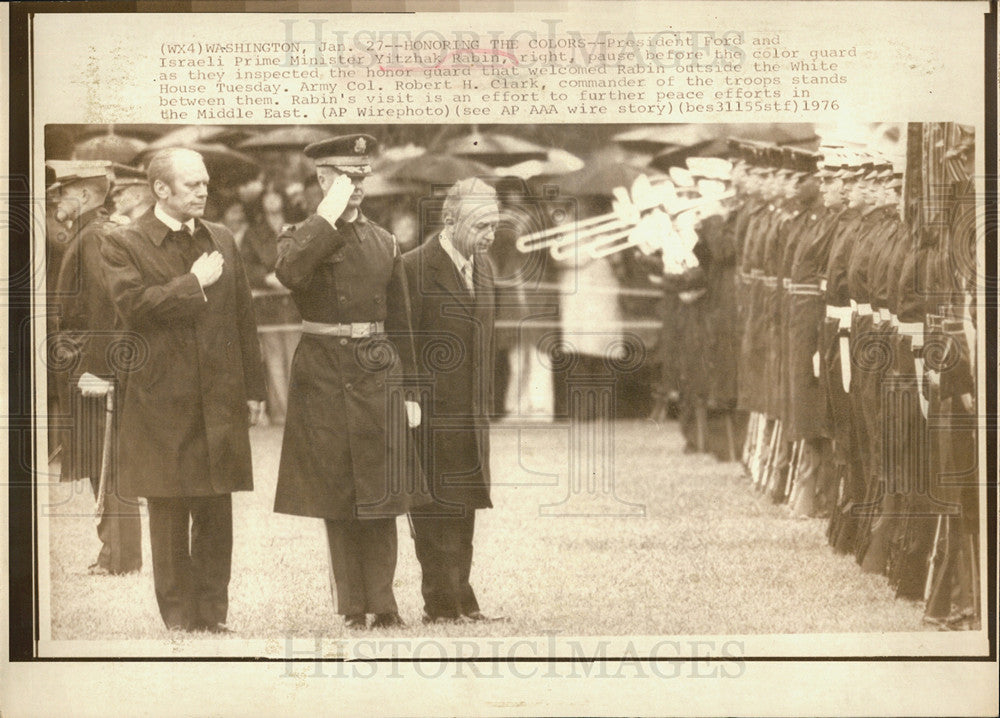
{"x":558,"y":162}
{"x":378,"y":185}
{"x":715,"y":138}
{"x":285,"y":138}
{"x":225,"y":166}
{"x":600,"y":176}
{"x":145,"y":132}
{"x":686,"y":135}
{"x":495,"y":149}
{"x":436,"y":169}
{"x":109,"y":147}
{"x":650,"y":138}
{"x":199,"y":134}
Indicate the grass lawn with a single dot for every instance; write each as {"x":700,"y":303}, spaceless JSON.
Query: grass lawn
{"x":708,"y":557}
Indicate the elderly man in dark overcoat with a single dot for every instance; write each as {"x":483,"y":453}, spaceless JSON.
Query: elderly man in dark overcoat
{"x":346,"y":456}
{"x":453,"y":300}
{"x":88,"y":323}
{"x":178,"y":283}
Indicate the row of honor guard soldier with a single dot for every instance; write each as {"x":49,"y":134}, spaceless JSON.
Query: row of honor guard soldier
{"x":843,"y":294}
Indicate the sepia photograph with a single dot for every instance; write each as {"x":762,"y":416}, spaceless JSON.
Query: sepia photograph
{"x":460,"y":380}
{"x":507,"y":359}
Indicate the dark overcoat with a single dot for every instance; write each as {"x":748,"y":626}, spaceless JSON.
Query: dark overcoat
{"x":346,"y":450}
{"x":87,"y":337}
{"x":184,"y":428}
{"x":453,"y":337}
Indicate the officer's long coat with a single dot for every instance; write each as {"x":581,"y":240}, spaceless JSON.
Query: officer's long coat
{"x":184,"y":426}
{"x":453,"y":336}
{"x":346,"y":450}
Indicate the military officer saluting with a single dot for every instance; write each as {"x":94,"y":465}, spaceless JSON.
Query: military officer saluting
{"x":346,"y":455}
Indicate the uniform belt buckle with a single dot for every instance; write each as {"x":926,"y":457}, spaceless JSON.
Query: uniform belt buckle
{"x":360,"y":331}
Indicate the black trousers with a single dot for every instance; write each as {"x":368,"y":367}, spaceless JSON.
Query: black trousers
{"x":191,"y":539}
{"x":444,"y":549}
{"x":120,"y":532}
{"x":363,"y":563}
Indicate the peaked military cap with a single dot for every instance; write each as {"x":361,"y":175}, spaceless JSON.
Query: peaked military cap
{"x":126,"y":176}
{"x":350,"y":154}
{"x":69,"y":171}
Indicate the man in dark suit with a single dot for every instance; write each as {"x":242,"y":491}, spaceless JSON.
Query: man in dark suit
{"x":346,"y":455}
{"x":453,"y":303}
{"x":178,"y":283}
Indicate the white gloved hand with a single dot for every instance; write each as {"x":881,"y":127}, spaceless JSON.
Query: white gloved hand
{"x":255,"y":411}
{"x":207,"y":268}
{"x":272,"y":281}
{"x":335,"y":201}
{"x":816,"y":364}
{"x":412,"y":414}
{"x":91,"y":385}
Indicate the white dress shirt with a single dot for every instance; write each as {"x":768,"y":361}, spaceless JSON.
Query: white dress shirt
{"x":462,"y":264}
{"x":172,"y":223}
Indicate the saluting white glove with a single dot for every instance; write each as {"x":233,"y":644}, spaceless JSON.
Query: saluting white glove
{"x":207,"y":268}
{"x":412,"y":414}
{"x":335,"y":201}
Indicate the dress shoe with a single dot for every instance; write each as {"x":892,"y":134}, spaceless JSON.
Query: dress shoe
{"x":219,"y":628}
{"x":356,"y":620}
{"x":480,"y":617}
{"x":388,"y":620}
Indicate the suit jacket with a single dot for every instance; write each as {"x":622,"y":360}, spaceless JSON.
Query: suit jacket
{"x":184,"y":420}
{"x":453,"y":339}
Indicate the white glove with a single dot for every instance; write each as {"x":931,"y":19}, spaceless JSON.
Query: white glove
{"x":91,"y":385}
{"x":412,"y":414}
{"x":272,"y":281}
{"x":207,"y":268}
{"x":816,"y":364}
{"x":255,"y":411}
{"x":335,"y":201}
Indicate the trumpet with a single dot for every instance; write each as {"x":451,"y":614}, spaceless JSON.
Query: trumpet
{"x":652,"y":214}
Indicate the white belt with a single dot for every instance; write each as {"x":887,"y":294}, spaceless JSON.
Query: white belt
{"x":884,"y":314}
{"x":804,"y":288}
{"x":356,"y":330}
{"x":822,"y":285}
{"x":862,"y":309}
{"x":894,"y":321}
{"x":840,"y":313}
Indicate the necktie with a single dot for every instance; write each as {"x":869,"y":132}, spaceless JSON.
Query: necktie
{"x":467,"y":275}
{"x":189,"y":246}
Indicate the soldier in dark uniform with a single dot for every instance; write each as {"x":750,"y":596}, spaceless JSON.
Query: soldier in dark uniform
{"x":717,"y":314}
{"x":949,"y":358}
{"x":835,"y":368}
{"x":753,"y":224}
{"x":807,"y":421}
{"x":346,"y":455}
{"x":777,"y":260}
{"x":89,"y":323}
{"x":875,"y":355}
